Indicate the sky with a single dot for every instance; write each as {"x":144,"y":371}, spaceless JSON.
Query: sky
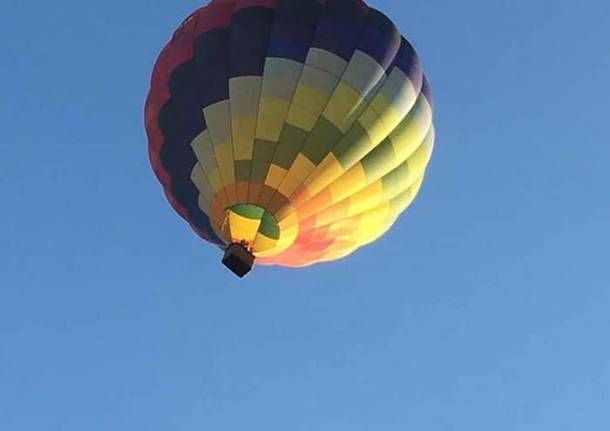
{"x":486,"y":307}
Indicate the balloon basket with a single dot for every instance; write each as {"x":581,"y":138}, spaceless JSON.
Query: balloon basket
{"x":238,"y":259}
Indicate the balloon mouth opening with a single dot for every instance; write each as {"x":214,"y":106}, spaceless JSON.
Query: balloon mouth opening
{"x":251,"y":227}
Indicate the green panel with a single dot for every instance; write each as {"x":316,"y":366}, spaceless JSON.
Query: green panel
{"x":402,"y":174}
{"x":379,"y":161}
{"x":390,"y":184}
{"x":322,"y":139}
{"x":242,"y":170}
{"x":291,"y":142}
{"x":355,"y":142}
{"x":269,"y":226}
{"x":249,"y":211}
{"x":263,"y":154}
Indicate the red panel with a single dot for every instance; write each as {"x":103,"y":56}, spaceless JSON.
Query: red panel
{"x":271,"y":4}
{"x":213,"y":17}
{"x":176,"y":52}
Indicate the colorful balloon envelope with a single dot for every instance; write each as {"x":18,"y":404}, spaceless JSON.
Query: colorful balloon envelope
{"x":289,"y":131}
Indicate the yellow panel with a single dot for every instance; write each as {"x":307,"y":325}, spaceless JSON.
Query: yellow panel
{"x":202,"y":146}
{"x":202,"y":141}
{"x":306,"y":107}
{"x":289,"y":229}
{"x":204,"y":204}
{"x":374,"y":127}
{"x":224,"y":157}
{"x":243,"y":137}
{"x":407,"y":197}
{"x":299,"y":170}
{"x":372,"y":223}
{"x":287,"y":217}
{"x":344,"y":107}
{"x":406,"y":142}
{"x":242,"y":228}
{"x":275,"y":176}
{"x":271,"y":115}
{"x":302,"y":117}
{"x":329,"y":215}
{"x":325,"y":173}
{"x":364,"y":73}
{"x":215,"y":180}
{"x":344,"y":229}
{"x":218,"y":119}
{"x":199,"y":178}
{"x":366,"y":199}
{"x":387,"y":112}
{"x":280,"y":246}
{"x":348,"y":183}
{"x":288,"y":221}
{"x":411,"y":131}
{"x":420,"y":158}
{"x":326,"y":60}
{"x":399,"y":90}
{"x":244,"y":94}
{"x":263,"y":243}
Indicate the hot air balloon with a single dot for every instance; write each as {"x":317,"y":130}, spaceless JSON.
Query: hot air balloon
{"x":290,"y":132}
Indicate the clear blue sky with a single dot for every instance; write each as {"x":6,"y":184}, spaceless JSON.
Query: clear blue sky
{"x":487,"y":307}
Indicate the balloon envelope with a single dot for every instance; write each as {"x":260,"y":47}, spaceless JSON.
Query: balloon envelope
{"x":299,"y":128}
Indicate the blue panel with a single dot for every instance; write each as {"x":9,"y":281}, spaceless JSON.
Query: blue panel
{"x":408,"y":61}
{"x":305,"y":12}
{"x":211,"y":58}
{"x":290,"y":40}
{"x":348,"y":11}
{"x":179,"y":128}
{"x":337,"y":36}
{"x":250,"y":29}
{"x":213,"y":84}
{"x":380,"y":38}
{"x":181,"y":83}
{"x":427,"y":91}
